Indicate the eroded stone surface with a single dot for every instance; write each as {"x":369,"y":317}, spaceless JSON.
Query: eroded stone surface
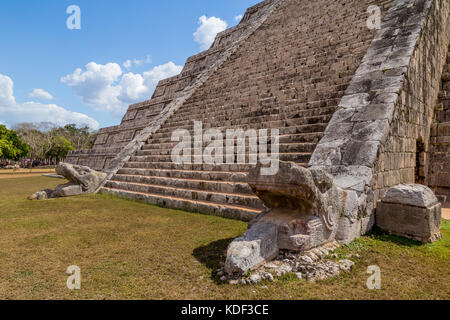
{"x":258,"y":245}
{"x":305,"y":208}
{"x":411,"y":194}
{"x":410,"y":211}
{"x":88,"y":179}
{"x":82,"y":180}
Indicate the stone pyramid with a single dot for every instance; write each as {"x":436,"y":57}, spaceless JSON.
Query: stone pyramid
{"x":355,"y":101}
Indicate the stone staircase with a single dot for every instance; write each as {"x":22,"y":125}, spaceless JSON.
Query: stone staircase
{"x":439,"y":170}
{"x":290,"y":75}
{"x":112,"y":140}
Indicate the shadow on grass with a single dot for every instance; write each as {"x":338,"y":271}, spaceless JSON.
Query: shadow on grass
{"x":212,"y":254}
{"x":379,"y":234}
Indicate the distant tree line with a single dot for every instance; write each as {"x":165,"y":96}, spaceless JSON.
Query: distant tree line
{"x":43,"y":142}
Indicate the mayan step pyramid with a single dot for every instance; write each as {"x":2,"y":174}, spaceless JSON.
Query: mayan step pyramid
{"x":354,"y":100}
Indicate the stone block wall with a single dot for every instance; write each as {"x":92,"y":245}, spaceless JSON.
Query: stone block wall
{"x":386,"y":115}
{"x":439,"y":155}
{"x":404,"y":157}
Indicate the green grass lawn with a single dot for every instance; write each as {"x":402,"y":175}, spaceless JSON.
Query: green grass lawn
{"x":130,"y":250}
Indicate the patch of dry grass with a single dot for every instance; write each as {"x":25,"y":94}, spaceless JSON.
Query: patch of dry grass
{"x":23,"y":173}
{"x":129,"y":250}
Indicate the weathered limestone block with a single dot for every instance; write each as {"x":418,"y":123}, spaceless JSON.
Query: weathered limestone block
{"x":411,"y":211}
{"x":82,"y":180}
{"x":305,"y":212}
{"x":88,"y":179}
{"x":257,"y":246}
{"x":67,"y":190}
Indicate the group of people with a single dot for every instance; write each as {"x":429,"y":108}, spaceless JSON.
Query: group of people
{"x":28,"y":163}
{"x":4,"y":165}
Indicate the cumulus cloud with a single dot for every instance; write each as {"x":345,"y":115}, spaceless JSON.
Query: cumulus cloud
{"x":238,"y":18}
{"x":106,"y":88}
{"x":208,"y":29}
{"x":40,"y":94}
{"x":12,"y":112}
{"x":6,"y":91}
{"x":137,"y":62}
{"x":95,"y":85}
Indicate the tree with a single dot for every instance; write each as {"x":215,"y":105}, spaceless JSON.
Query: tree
{"x":11,"y":146}
{"x":60,"y":148}
{"x":79,"y":137}
{"x":42,"y":137}
{"x":31,"y":134}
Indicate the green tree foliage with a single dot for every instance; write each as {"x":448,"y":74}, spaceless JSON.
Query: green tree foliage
{"x":80,"y":138}
{"x":48,"y":141}
{"x":11,"y":145}
{"x":60,"y":148}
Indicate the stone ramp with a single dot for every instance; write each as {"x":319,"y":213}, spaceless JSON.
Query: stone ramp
{"x":439,"y":170}
{"x":289,"y":74}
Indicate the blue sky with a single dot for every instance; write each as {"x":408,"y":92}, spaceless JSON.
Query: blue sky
{"x":129,"y":45}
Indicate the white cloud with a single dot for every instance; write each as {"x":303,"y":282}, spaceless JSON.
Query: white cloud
{"x":105,"y":87}
{"x":137,"y":62}
{"x":207,"y":31}
{"x":238,"y":18}
{"x":12,"y":112}
{"x":40,"y":94}
{"x":6,"y":91}
{"x":128,"y":64}
{"x":160,"y":72}
{"x":95,"y":85}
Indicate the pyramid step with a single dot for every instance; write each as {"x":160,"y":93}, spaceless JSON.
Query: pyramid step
{"x":194,"y":167}
{"x":308,"y":137}
{"x":187,"y":174}
{"x":279,"y":124}
{"x":271,"y":114}
{"x":195,"y":184}
{"x":190,"y":194}
{"x":293,"y":157}
{"x":151,"y":150}
{"x":292,"y":108}
{"x":224,"y":125}
{"x":307,"y":128}
{"x":205,"y":207}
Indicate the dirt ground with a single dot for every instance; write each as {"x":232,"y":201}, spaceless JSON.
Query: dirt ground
{"x":23,"y":173}
{"x":446,"y":211}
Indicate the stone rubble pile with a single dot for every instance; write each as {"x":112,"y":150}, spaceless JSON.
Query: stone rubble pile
{"x":316,"y":264}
